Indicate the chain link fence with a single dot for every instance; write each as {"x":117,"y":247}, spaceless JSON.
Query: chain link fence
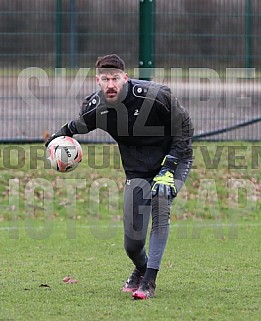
{"x":208,"y":52}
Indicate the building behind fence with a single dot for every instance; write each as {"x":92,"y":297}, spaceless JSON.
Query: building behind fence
{"x":193,"y":45}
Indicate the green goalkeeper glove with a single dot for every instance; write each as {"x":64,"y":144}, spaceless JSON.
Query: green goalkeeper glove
{"x":163,"y":182}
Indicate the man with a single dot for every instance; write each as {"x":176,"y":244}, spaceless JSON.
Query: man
{"x":153,"y":132}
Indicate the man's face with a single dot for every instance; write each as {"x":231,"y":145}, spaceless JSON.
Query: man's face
{"x":111,"y":84}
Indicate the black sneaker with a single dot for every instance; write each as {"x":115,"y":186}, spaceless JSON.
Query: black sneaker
{"x":145,"y":291}
{"x":133,"y":282}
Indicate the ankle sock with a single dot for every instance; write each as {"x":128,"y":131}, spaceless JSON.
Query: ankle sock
{"x":150,"y":275}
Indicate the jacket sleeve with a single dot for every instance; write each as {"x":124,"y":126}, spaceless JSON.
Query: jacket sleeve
{"x":182,"y":130}
{"x":177,"y":124}
{"x":79,"y":125}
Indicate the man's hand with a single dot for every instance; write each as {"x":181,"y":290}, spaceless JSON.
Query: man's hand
{"x":64,"y":131}
{"x":163,"y":183}
{"x":48,"y":141}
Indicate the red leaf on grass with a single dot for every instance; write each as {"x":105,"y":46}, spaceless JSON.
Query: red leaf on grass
{"x":68,"y":280}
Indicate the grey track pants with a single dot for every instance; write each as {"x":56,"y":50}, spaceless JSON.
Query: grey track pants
{"x":139,"y":205}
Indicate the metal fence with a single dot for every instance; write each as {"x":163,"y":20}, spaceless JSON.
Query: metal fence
{"x":190,"y":43}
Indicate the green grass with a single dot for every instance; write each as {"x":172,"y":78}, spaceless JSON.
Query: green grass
{"x":202,"y":278}
{"x":211,"y":267}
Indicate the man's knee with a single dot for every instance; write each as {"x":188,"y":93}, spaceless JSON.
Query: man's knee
{"x":133,"y":247}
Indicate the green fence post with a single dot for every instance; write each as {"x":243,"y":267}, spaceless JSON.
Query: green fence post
{"x":248,"y":34}
{"x":147,"y":38}
{"x":58,"y":34}
{"x":73,"y":34}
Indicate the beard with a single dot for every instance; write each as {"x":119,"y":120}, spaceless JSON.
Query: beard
{"x":112,"y":96}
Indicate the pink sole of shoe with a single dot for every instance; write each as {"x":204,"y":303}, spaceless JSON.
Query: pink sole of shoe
{"x":139,"y":296}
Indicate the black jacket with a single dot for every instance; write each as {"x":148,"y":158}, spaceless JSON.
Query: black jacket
{"x":147,"y":124}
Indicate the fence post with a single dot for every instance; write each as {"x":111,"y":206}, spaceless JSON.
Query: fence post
{"x":58,"y":34}
{"x":73,"y":34}
{"x":147,"y":37}
{"x":248,"y":34}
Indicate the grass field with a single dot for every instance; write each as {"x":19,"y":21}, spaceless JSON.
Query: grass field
{"x":48,"y":229}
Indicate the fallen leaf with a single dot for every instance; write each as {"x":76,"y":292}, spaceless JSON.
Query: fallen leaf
{"x":73,"y":281}
{"x":68,"y":280}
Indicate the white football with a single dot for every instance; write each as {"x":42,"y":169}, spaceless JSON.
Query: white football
{"x":64,"y":154}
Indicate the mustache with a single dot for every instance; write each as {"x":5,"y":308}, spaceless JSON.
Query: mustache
{"x":109,"y":91}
